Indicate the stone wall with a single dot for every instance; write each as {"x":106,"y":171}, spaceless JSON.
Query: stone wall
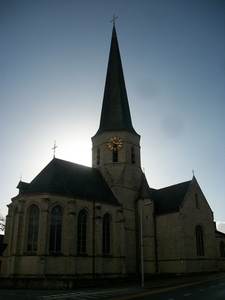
{"x":18,"y":261}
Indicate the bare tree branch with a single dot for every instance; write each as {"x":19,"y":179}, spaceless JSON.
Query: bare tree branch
{"x":2,"y":222}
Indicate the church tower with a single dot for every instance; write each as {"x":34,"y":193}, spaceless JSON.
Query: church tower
{"x":116,"y":153}
{"x":116,"y":145}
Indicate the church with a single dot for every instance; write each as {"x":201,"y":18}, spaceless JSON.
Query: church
{"x":73,"y":222}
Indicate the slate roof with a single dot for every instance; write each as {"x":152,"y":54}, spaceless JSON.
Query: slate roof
{"x":219,"y":234}
{"x":115,"y":113}
{"x":22,"y":186}
{"x":170,"y":198}
{"x":69,"y":179}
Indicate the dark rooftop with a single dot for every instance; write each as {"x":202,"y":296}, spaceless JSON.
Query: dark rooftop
{"x":69,"y":179}
{"x":170,"y":198}
{"x":219,"y":234}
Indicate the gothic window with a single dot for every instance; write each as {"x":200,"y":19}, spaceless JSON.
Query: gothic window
{"x":106,"y":234}
{"x":55,"y":229}
{"x":33,"y":222}
{"x":132,"y":155}
{"x":115,"y":154}
{"x":15,"y":226}
{"x":199,"y":241}
{"x":222,"y":249}
{"x":197,"y":201}
{"x":82,"y":232}
{"x":98,"y":156}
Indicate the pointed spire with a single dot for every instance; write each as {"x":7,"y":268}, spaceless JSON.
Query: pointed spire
{"x":115,"y":113}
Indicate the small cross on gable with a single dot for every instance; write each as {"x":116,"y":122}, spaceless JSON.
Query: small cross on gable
{"x":54,"y":149}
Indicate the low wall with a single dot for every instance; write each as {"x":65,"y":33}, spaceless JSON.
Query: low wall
{"x":55,"y":282}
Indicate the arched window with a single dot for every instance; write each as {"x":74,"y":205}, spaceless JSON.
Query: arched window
{"x":82,"y":232}
{"x":33,"y":222}
{"x":199,"y":241}
{"x":222,"y":249}
{"x":106,"y":234}
{"x":197,"y":201}
{"x":15,"y":225}
{"x":98,"y":156}
{"x":115,"y":154}
{"x":55,"y":229}
{"x":132,"y":155}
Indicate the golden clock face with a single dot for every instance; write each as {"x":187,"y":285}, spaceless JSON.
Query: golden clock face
{"x":114,"y":143}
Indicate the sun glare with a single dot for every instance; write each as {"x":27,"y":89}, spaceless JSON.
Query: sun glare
{"x":79,"y":153}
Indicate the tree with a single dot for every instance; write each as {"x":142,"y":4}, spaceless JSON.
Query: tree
{"x":2,"y":223}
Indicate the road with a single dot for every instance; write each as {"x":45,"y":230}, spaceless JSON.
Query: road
{"x":202,"y":290}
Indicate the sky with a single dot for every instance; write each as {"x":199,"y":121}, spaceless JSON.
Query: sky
{"x":54,"y":55}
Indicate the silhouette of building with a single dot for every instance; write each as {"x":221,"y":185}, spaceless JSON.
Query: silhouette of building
{"x":76,"y":222}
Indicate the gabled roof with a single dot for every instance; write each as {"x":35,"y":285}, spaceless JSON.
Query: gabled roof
{"x":170,"y":198}
{"x":64,"y":178}
{"x":115,"y":113}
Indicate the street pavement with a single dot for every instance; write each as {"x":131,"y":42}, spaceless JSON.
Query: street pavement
{"x":211,"y":289}
{"x":119,"y":290}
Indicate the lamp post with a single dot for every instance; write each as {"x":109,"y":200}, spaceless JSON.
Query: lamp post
{"x":142,"y":252}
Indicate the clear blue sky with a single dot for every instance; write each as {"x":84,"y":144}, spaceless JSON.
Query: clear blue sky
{"x":54,"y":57}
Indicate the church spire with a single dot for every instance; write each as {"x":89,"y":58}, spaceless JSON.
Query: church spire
{"x":115,"y":113}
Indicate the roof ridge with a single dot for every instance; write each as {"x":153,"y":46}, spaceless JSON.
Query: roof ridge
{"x":173,"y":185}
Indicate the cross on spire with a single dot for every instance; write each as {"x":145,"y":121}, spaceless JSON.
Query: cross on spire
{"x":113,"y":20}
{"x":54,"y":149}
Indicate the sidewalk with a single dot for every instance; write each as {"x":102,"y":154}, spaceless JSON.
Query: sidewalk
{"x":162,"y":282}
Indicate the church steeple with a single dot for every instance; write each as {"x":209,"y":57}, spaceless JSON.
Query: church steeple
{"x":115,"y":113}
{"x":116,"y":145}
